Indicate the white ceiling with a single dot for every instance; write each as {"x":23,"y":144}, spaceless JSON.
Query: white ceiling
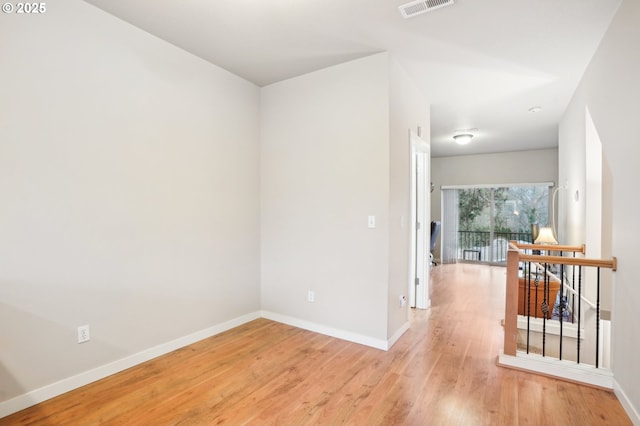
{"x":481,"y":64}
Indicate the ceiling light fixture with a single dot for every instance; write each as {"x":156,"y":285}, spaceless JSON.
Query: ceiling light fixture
{"x":463,"y":138}
{"x":535,"y":109}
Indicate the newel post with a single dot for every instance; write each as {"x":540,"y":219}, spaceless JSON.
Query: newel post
{"x":511,"y":303}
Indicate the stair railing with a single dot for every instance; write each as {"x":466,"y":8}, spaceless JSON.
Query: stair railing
{"x":534,"y":277}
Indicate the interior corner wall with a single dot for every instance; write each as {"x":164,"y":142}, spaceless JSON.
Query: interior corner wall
{"x":506,"y":167}
{"x":572,"y":175}
{"x":409,"y":110}
{"x":129,"y":190}
{"x":610,"y":91}
{"x":324,"y":170}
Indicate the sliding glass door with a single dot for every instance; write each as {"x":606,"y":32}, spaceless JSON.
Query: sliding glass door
{"x":478,"y":222}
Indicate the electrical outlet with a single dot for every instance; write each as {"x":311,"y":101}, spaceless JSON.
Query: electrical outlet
{"x":84,"y":334}
{"x":311,"y":296}
{"x":403,"y":301}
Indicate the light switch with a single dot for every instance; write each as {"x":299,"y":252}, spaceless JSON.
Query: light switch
{"x":372,"y":222}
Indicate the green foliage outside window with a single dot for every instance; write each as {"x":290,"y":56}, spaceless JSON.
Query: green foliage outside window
{"x":514,"y":208}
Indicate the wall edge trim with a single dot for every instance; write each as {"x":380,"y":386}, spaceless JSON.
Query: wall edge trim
{"x":328,"y":331}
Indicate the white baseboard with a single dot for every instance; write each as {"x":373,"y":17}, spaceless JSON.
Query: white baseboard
{"x":397,"y":335}
{"x":52,"y":390}
{"x":566,"y":370}
{"x":631,"y":411}
{"x":328,"y":331}
{"x":44,"y":393}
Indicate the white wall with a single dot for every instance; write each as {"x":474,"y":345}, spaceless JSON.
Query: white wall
{"x":129,"y":193}
{"x":572,"y":175}
{"x":324,"y":169}
{"x":610,"y":91}
{"x":508,"y":167}
{"x":130,"y":183}
{"x":409,"y":110}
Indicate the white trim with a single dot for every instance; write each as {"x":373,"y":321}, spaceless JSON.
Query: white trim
{"x":397,"y":335}
{"x":552,"y":327}
{"x":566,"y":370}
{"x":420,"y":144}
{"x":419,"y":296}
{"x":497,"y":185}
{"x":328,"y":331}
{"x":44,"y":393}
{"x":631,"y":411}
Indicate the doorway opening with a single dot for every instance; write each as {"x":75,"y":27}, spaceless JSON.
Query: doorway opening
{"x":420,"y":223}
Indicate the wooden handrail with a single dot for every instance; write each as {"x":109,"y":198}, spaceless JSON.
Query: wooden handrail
{"x":561,"y":260}
{"x":580,"y":261}
{"x":547,"y":247}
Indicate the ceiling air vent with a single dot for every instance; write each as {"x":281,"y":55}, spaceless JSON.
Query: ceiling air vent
{"x":409,"y":10}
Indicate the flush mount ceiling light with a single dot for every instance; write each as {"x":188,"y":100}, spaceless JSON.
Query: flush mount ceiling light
{"x":535,"y":109}
{"x":463,"y":138}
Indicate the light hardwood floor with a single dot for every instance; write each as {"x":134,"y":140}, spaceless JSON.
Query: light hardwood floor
{"x":441,"y":372}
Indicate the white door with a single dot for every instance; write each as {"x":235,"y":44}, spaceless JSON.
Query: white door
{"x":421,"y":223}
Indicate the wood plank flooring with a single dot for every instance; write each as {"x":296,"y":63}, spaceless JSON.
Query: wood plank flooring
{"x":441,"y":372}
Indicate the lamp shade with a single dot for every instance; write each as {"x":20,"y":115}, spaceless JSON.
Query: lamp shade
{"x":545,"y":236}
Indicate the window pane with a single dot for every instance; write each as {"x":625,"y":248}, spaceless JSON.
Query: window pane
{"x":488,"y":218}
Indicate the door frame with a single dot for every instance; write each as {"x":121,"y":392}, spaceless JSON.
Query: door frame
{"x":420,"y":237}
